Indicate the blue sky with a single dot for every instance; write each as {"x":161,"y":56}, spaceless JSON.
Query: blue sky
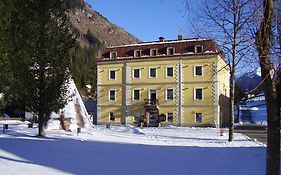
{"x":146,"y":19}
{"x":149,"y":19}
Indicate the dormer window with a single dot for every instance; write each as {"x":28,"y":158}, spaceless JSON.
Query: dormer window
{"x":137,"y":53}
{"x":170,"y":51}
{"x":190,"y":49}
{"x":198,"y":49}
{"x":153,"y":52}
{"x":113,"y":55}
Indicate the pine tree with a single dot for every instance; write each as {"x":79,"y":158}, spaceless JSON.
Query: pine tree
{"x":5,"y":9}
{"x":39,"y":45}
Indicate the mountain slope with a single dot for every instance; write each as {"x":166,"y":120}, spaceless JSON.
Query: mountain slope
{"x":87,"y":21}
{"x":93,"y":32}
{"x":250,"y":82}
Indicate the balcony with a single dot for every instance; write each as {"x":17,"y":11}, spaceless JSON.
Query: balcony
{"x":151,"y":104}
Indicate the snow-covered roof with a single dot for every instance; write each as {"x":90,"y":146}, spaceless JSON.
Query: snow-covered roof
{"x":161,"y":49}
{"x":160,"y":42}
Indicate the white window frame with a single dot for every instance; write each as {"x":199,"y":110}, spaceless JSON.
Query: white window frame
{"x":194,"y":70}
{"x":149,"y":73}
{"x":195,"y":117}
{"x":167,"y":94}
{"x":133,"y":74}
{"x":196,"y":48}
{"x":109,"y":116}
{"x":136,"y":51}
{"x":149,"y":93}
{"x":114,"y":94}
{"x":109,"y":74}
{"x":194,"y":94}
{"x":169,"y":49}
{"x":151,"y":51}
{"x":167,"y":71}
{"x":133,"y":94}
{"x":113,"y":55}
{"x":167,"y":116}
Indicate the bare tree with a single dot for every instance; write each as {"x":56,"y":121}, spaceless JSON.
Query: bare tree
{"x":264,"y":46}
{"x":226,"y":21}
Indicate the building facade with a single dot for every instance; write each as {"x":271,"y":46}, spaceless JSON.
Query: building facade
{"x":186,"y":81}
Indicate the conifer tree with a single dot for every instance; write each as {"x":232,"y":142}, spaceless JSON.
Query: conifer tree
{"x":38,"y":47}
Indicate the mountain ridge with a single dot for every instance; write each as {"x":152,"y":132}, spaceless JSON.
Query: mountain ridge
{"x":250,"y":81}
{"x":86,"y":21}
{"x":93,"y":33}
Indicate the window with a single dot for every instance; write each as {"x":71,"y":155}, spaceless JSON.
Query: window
{"x":169,"y":94}
{"x":111,"y":116}
{"x":112,"y":95}
{"x":170,"y":51}
{"x":198,"y":70}
{"x":198,"y":49}
{"x":113,"y":55}
{"x":136,"y":94}
{"x":198,"y":94}
{"x":169,"y":72}
{"x":198,"y":117}
{"x":112,"y":75}
{"x":152,"y":94}
{"x":153,"y":52}
{"x":190,"y":49}
{"x":169,"y":117}
{"x":136,"y":73}
{"x":152,"y":73}
{"x":137,"y":53}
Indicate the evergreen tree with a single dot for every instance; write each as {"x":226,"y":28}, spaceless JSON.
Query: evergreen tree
{"x":83,"y":65}
{"x":38,"y":50}
{"x":5,"y":9}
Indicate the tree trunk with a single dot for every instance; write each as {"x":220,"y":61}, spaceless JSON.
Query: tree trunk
{"x":231,"y":103}
{"x":41,"y":128}
{"x":232,"y":73}
{"x":273,"y":122}
{"x":270,"y":91}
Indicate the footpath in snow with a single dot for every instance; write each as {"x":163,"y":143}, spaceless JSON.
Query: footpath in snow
{"x":129,"y":150}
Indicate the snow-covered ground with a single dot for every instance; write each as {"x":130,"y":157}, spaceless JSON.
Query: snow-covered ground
{"x":129,"y":150}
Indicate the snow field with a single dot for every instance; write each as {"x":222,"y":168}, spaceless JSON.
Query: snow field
{"x":129,"y":150}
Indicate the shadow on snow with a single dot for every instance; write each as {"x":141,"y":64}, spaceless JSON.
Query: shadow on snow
{"x":91,"y":157}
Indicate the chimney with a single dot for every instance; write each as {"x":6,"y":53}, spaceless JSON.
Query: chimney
{"x":161,"y":39}
{"x":180,"y":37}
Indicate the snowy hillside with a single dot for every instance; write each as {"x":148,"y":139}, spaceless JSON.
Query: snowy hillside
{"x":250,"y":81}
{"x":128,"y":150}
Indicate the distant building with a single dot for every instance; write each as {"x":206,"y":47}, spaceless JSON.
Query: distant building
{"x":185,"y":80}
{"x":253,"y":110}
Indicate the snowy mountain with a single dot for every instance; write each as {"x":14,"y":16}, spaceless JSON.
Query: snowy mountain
{"x":249,"y":82}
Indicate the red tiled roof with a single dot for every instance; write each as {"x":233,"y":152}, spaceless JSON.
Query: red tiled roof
{"x":181,"y":47}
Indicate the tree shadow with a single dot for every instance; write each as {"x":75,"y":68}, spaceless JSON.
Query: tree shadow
{"x":92,"y":157}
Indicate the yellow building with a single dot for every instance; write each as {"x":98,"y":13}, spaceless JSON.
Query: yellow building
{"x":185,"y":80}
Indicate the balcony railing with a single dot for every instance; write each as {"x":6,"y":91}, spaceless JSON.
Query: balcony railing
{"x":151,"y":103}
